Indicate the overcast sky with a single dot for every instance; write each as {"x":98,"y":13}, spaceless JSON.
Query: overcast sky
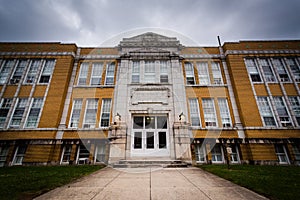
{"x":100,"y":22}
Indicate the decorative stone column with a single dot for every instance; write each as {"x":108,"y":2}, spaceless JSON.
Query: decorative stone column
{"x":117,"y":138}
{"x":182,"y":140}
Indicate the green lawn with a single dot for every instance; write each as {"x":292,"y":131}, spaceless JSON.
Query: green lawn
{"x":274,"y":182}
{"x":22,"y":182}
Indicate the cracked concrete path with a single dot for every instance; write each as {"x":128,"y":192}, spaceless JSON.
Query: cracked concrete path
{"x":151,"y":183}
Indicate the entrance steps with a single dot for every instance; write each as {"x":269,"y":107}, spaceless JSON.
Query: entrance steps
{"x":150,"y":163}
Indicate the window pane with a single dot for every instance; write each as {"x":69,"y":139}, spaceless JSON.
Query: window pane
{"x":209,"y":113}
{"x":162,"y":122}
{"x":189,"y":72}
{"x":138,"y":122}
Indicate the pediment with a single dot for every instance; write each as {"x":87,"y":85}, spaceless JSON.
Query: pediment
{"x":150,"y":40}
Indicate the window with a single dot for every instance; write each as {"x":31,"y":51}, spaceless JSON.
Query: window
{"x":100,"y":153}
{"x":224,"y":112}
{"x":203,"y":73}
{"x":18,"y":113}
{"x":105,"y":112}
{"x":96,"y":78}
{"x":75,"y":116}
{"x":33,"y":117}
{"x":265,"y":111}
{"x":47,"y":71}
{"x":66,"y":154}
{"x":217,"y":74}
{"x":284,"y":77}
{"x":19,"y":155}
{"x":200,"y":153}
{"x":296,"y":151}
{"x":295,"y":104}
{"x":84,"y":69}
{"x":209,"y":112}
{"x":194,"y":112}
{"x":3,"y":155}
{"x":110,"y":73}
{"x":149,"y":75}
{"x":83,"y":154}
{"x":281,"y":154}
{"x":135,"y":72}
{"x":189,"y":72}
{"x":217,"y":154}
{"x":294,"y":68}
{"x":234,"y":154}
{"x":4,"y":109}
{"x":18,"y":72}
{"x":5,"y":71}
{"x":32,"y":73}
{"x":164,"y":72}
{"x":90,"y":113}
{"x":269,"y":75}
{"x":282,"y":112}
{"x":252,"y":70}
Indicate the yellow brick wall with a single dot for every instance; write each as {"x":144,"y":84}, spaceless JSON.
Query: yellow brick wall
{"x":275,"y":90}
{"x":263,"y":152}
{"x":290,"y":89}
{"x":37,"y":153}
{"x":273,"y":133}
{"x":54,"y":103}
{"x":245,"y":99}
{"x":37,"y":47}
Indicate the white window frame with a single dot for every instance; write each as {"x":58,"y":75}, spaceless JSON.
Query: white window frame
{"x":265,"y":111}
{"x":253,"y":70}
{"x":1,"y":107}
{"x":269,"y":75}
{"x":32,"y":72}
{"x":213,"y":155}
{"x":7,"y":67}
{"x":217,"y":73}
{"x":149,"y":71}
{"x":164,"y":72}
{"x":203,"y":73}
{"x":224,"y":112}
{"x":110,"y":74}
{"x":294,"y":67}
{"x":100,"y":150}
{"x":194,"y":111}
{"x":62,"y":162}
{"x":84,"y":159}
{"x":18,"y":71}
{"x":279,"y":68}
{"x":19,"y":155}
{"x":3,"y":155}
{"x":105,"y":112}
{"x":135,"y":73}
{"x":96,"y":76}
{"x":295,"y":105}
{"x":279,"y":154}
{"x":47,"y":71}
{"x":15,"y":108}
{"x":32,"y":106}
{"x":200,"y":153}
{"x":235,"y":151}
{"x":189,"y":73}
{"x":280,"y":105}
{"x":92,"y":124}
{"x":72,"y":112}
{"x":83,"y":73}
{"x":209,"y":118}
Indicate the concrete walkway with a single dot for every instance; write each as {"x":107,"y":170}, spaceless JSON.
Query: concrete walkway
{"x":146,"y":183}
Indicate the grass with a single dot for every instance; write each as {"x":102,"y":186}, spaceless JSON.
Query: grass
{"x":274,"y":182}
{"x":21,"y":182}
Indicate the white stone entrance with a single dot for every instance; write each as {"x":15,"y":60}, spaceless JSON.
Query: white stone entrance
{"x":150,"y":136}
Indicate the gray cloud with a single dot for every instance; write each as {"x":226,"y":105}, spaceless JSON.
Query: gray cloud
{"x":90,"y":23}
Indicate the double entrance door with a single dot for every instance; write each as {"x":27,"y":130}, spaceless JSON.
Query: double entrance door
{"x":150,"y":136}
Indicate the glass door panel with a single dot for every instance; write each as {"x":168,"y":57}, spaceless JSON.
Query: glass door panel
{"x":162,"y":140}
{"x":137,"y":140}
{"x":150,"y":140}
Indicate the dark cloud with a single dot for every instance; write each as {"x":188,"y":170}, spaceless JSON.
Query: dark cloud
{"x":92,"y":22}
